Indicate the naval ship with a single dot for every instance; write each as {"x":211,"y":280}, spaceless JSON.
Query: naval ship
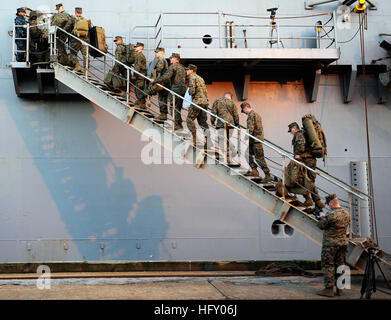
{"x":84,"y":176}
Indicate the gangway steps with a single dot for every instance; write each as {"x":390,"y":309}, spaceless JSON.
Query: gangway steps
{"x":286,"y":210}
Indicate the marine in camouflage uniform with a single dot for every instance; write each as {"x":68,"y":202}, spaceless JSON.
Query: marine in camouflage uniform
{"x":140,"y":65}
{"x":159,"y":69}
{"x":120,"y":55}
{"x":225,"y":108}
{"x":176,"y":75}
{"x":75,"y":45}
{"x":63,"y":20}
{"x":117,"y":75}
{"x":199,"y":94}
{"x":301,"y":153}
{"x":256,"y":154}
{"x":335,"y":243}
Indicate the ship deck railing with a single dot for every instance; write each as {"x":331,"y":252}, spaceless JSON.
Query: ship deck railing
{"x":318,"y":33}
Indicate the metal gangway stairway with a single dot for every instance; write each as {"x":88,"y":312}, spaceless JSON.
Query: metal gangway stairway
{"x":90,"y":85}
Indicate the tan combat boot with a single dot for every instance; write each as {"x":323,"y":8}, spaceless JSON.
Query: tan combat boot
{"x":178,"y":127}
{"x":280,"y":190}
{"x":308,"y":201}
{"x":161,"y":117}
{"x":140,"y":106}
{"x":63,"y":60}
{"x":268,"y":178}
{"x":319,"y":204}
{"x":252,"y":173}
{"x":326,"y":292}
{"x":340,"y":292}
{"x":78,"y":68}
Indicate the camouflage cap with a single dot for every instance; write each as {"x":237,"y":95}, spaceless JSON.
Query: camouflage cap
{"x":58,"y":6}
{"x":117,"y":38}
{"x":293,"y":124}
{"x":192,"y":67}
{"x":79,"y":10}
{"x":175,"y":55}
{"x":330,"y":197}
{"x":159,"y":49}
{"x":139,"y":44}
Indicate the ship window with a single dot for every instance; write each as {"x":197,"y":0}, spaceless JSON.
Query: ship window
{"x":207,"y":39}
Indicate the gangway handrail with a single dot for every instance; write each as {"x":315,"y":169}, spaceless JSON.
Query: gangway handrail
{"x":267,"y":144}
{"x":329,"y":174}
{"x":219,"y":25}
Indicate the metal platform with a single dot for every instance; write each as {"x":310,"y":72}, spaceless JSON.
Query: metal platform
{"x":256,"y":56}
{"x":37,"y":82}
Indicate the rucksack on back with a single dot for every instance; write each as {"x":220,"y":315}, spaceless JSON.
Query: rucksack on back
{"x":97,"y":40}
{"x":130,"y":54}
{"x":297,"y":176}
{"x":315,"y":137}
{"x":80,"y":28}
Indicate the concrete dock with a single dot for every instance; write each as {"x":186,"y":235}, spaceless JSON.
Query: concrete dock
{"x":172,"y":286}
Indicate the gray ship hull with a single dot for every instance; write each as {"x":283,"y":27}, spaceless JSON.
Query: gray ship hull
{"x":73,"y":186}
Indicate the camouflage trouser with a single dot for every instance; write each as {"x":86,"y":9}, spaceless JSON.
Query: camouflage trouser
{"x":75,"y":47}
{"x":311,"y":162}
{"x":297,"y":190}
{"x":332,"y":257}
{"x":200,"y":115}
{"x":61,"y":39}
{"x":224,"y":134}
{"x":115,"y":80}
{"x":162,"y":98}
{"x":139,"y":91}
{"x":178,"y":104}
{"x":256,"y":157}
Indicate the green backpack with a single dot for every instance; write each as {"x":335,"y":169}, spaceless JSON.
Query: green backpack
{"x":297,"y":176}
{"x":81,"y":27}
{"x":314,"y":135}
{"x":114,"y":81}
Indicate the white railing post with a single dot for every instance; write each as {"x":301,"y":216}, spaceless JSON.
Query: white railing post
{"x":335,"y":28}
{"x":283,"y":176}
{"x":104,"y":65}
{"x":127,"y":86}
{"x":173,"y":111}
{"x":219,"y":23}
{"x":87,"y":62}
{"x":27,"y":44}
{"x":13,"y":44}
{"x":162,"y":30}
